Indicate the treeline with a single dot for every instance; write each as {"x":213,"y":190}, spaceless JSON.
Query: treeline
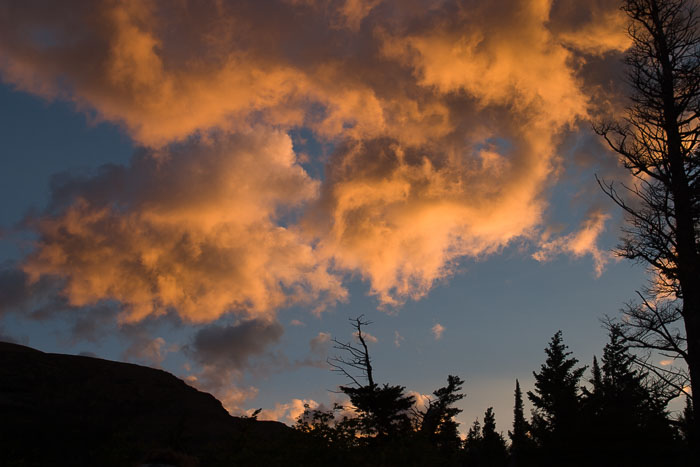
{"x":617,"y":415}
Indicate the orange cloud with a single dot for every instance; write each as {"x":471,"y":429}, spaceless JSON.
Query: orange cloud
{"x":437,"y":331}
{"x":288,"y":412}
{"x":578,"y":244}
{"x":447,"y":118}
{"x":192,"y":229}
{"x":594,"y":27}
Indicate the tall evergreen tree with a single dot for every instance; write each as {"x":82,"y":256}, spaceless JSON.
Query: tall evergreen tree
{"x":521,"y":443}
{"x":557,"y":401}
{"x":625,"y":413}
{"x":494,"y":446}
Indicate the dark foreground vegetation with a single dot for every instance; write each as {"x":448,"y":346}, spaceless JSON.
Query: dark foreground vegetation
{"x":616,"y":416}
{"x":73,"y":410}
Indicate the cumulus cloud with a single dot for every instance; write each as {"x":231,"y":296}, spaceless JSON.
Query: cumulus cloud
{"x":447,"y":118}
{"x":190,"y":229}
{"x":437,"y":331}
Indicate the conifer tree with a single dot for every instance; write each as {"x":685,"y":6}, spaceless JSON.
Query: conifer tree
{"x":520,"y":425}
{"x":556,"y":400}
{"x":625,"y":413}
{"x":494,"y":446}
{"x":484,"y":446}
{"x":521,"y":443}
{"x":438,"y":423}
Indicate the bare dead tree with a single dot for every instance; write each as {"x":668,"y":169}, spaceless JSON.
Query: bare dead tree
{"x":354,"y":357}
{"x":657,"y":141}
{"x":383,"y":411}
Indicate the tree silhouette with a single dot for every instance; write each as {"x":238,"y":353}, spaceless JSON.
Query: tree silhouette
{"x":383,"y":412}
{"x":520,"y":442}
{"x":657,"y":142}
{"x":556,"y":401}
{"x":438,"y":424}
{"x":628,"y":419}
{"x":686,"y":422}
{"x":484,"y":447}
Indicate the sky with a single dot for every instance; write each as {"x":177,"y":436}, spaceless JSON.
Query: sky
{"x":215,"y":188}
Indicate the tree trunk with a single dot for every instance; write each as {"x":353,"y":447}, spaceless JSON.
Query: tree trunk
{"x":686,"y":250}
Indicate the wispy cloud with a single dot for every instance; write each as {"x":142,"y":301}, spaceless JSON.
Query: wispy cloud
{"x":437,"y":331}
{"x":580,"y":243}
{"x":398,"y":339}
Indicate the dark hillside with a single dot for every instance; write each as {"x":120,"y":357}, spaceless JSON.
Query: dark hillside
{"x":74,"y":410}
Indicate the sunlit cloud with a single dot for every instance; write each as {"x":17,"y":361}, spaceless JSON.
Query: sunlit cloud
{"x":320,"y":343}
{"x":578,"y":244}
{"x":422,"y":401}
{"x":437,"y":331}
{"x":288,"y":412}
{"x":190,"y":230}
{"x":446,"y":118}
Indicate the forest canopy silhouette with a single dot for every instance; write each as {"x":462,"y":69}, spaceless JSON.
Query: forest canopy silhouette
{"x":611,"y":413}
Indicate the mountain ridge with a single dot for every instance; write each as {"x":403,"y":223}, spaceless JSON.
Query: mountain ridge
{"x":61,"y":409}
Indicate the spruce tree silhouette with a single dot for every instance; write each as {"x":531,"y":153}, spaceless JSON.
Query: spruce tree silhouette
{"x":627,"y":414}
{"x":521,"y":444}
{"x":484,"y":446}
{"x":557,"y":405}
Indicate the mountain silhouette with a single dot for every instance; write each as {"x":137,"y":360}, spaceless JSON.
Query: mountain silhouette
{"x":76,"y":410}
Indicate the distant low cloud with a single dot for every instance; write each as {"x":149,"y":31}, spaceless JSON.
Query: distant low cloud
{"x":437,"y":331}
{"x":288,"y":412}
{"x":319,"y":344}
{"x":150,"y":351}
